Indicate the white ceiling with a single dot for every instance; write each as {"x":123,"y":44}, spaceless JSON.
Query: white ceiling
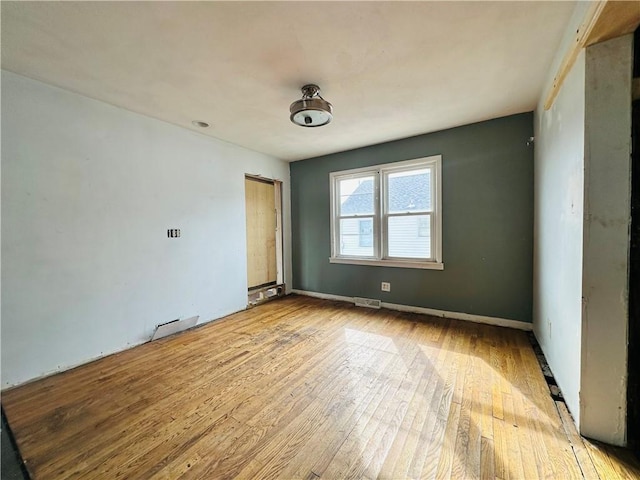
{"x":390,"y":69}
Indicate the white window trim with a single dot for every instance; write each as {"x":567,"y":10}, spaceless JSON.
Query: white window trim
{"x":380,"y":173}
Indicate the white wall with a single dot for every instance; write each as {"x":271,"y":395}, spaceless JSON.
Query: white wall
{"x":607,"y":222}
{"x":582,"y":219}
{"x":88,"y":193}
{"x":558,"y":211}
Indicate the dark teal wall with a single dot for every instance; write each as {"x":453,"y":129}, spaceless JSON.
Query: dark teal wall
{"x":487,"y":191}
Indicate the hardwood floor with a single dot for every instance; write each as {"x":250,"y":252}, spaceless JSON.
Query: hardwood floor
{"x":304,"y":388}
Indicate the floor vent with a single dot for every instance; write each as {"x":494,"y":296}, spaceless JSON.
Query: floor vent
{"x":366,"y":302}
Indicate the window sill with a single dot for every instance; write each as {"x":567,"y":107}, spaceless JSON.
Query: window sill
{"x":389,"y":263}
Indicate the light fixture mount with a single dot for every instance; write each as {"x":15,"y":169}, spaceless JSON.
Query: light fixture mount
{"x":311,"y":110}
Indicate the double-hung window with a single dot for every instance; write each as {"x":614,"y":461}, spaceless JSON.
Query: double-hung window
{"x":388,"y":215}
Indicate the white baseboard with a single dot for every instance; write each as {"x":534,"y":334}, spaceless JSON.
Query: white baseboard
{"x":499,"y":322}
{"x":324,"y":296}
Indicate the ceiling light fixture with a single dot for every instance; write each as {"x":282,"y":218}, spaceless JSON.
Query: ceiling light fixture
{"x":311,"y":110}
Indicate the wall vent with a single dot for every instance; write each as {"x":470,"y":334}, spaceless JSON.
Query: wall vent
{"x":367,"y":302}
{"x":174,"y":326}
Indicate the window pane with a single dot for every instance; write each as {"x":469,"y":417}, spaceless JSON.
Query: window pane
{"x":410,"y":236}
{"x":356,"y":237}
{"x":409,"y":191}
{"x":356,"y":196}
{"x":366,"y":232}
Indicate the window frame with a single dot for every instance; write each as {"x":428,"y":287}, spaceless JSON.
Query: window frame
{"x":381,"y":173}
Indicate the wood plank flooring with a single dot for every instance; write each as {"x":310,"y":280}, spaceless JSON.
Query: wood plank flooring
{"x":303,"y":388}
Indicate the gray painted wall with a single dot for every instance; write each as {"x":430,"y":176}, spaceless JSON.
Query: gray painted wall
{"x":487,"y":177}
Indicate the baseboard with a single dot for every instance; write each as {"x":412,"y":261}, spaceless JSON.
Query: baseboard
{"x":323,"y":296}
{"x":469,"y":317}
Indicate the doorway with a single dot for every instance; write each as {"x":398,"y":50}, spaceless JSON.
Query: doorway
{"x":263,"y":204}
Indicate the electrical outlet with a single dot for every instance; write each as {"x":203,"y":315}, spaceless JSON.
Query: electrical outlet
{"x":385,"y":287}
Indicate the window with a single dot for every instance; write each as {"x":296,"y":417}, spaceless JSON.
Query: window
{"x":388,"y":215}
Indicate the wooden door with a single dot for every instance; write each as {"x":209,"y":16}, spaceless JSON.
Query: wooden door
{"x":260,"y":197}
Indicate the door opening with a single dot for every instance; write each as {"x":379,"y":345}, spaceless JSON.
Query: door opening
{"x":263,"y":204}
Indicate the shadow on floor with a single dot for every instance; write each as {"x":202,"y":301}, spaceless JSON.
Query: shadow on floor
{"x":612,"y":462}
{"x":11,"y":467}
